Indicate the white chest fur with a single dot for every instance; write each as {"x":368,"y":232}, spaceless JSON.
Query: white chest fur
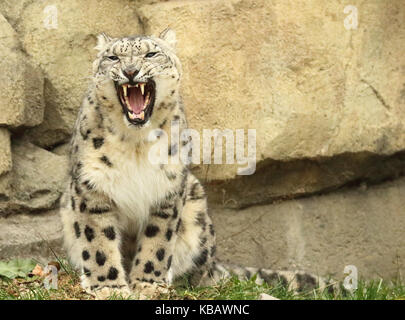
{"x":133,"y":182}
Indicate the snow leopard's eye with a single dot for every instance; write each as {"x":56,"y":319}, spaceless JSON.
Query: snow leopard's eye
{"x":150,"y":54}
{"x":113,"y":58}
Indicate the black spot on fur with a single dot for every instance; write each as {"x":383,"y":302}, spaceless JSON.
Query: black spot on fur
{"x":169,"y":234}
{"x":212,"y":231}
{"x":305,"y":282}
{"x":87,"y":184}
{"x":117,"y":286}
{"x":166,"y":205}
{"x":161,"y":214}
{"x":101,"y":278}
{"x":162,"y":124}
{"x":148,"y":267}
{"x":98,"y":142}
{"x":169,"y":196}
{"x":85,"y":134}
{"x":196,"y":192}
{"x":151,"y":230}
{"x":172,"y":150}
{"x":112,"y":273}
{"x":78,"y":190}
{"x":273,"y":278}
{"x":77,"y":229}
{"x":157,"y":273}
{"x":169,"y":262}
{"x":193,"y":189}
{"x":73,"y":204}
{"x":202,"y":258}
{"x":98,"y":210}
{"x":85,"y":255}
{"x":160,"y":254}
{"x":136,"y":262}
{"x":89,"y":232}
{"x":106,"y":161}
{"x":109,"y":232}
{"x":83,"y":206}
{"x":86,"y":272}
{"x":183,"y":186}
{"x":175,"y":212}
{"x":178,"y":225}
{"x":100,"y":258}
{"x":213,"y":250}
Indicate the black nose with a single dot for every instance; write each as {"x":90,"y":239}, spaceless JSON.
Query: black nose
{"x":130,"y":73}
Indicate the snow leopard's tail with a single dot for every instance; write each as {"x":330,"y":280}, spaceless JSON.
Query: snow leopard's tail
{"x":297,"y":281}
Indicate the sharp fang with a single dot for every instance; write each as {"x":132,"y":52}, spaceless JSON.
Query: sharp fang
{"x":127,"y":102}
{"x":146,"y":102}
{"x":131,"y":115}
{"x":125,"y":90}
{"x":142,"y":85}
{"x":142,"y":115}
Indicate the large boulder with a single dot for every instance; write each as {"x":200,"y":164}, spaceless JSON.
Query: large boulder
{"x":291,"y":70}
{"x":21,"y":83}
{"x":60,"y":36}
{"x":37,"y":179}
{"x":36,"y":237}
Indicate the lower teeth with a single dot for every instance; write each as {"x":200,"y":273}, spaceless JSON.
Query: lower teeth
{"x":133,"y":116}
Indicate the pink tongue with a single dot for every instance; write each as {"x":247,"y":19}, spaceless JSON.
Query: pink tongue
{"x":136,"y":100}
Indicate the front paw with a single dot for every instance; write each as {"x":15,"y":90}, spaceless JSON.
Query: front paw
{"x":149,"y":291}
{"x":111,"y":292}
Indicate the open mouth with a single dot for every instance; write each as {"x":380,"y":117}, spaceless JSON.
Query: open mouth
{"x":137,"y":100}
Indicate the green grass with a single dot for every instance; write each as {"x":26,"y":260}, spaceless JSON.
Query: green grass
{"x":235,"y":289}
{"x":32,"y":288}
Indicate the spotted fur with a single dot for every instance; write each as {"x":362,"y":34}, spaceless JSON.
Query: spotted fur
{"x":130,"y":224}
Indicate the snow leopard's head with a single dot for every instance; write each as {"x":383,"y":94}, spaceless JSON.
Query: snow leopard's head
{"x":137,"y":73}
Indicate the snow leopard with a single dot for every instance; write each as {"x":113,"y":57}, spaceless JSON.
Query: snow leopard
{"x":132,"y":225}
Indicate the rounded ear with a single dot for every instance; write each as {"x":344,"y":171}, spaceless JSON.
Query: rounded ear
{"x":102,"y":40}
{"x":169,"y":36}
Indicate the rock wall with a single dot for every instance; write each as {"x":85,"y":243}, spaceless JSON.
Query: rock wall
{"x":327,"y":104}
